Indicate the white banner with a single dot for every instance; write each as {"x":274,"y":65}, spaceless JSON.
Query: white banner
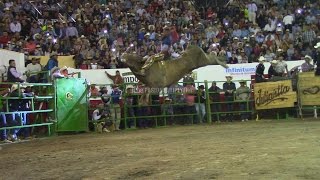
{"x":209,"y":73}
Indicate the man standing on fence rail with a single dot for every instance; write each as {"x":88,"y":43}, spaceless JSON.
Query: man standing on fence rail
{"x":260,"y":70}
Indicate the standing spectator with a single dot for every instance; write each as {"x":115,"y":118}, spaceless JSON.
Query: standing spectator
{"x":308,"y":35}
{"x":13,"y":75}
{"x":3,"y":120}
{"x":53,"y":61}
{"x":32,"y":71}
{"x":167,"y":110}
{"x":243,"y":94}
{"x":189,"y":92}
{"x":214,"y":94}
{"x":317,"y":58}
{"x":229,"y":88}
{"x":15,"y":26}
{"x":200,"y":103}
{"x":117,"y":79}
{"x":144,"y":109}
{"x":252,"y":8}
{"x":116,"y":95}
{"x":131,"y":100}
{"x":188,"y":79}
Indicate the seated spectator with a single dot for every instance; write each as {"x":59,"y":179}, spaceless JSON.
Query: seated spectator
{"x":13,"y":75}
{"x":33,"y":70}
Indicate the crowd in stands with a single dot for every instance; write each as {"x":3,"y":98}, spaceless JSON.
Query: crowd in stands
{"x":99,"y":31}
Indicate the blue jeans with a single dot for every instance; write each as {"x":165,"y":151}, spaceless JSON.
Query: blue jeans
{"x":3,"y":123}
{"x":243,"y":107}
{"x":143,"y":122}
{"x":201,"y":111}
{"x":229,"y":115}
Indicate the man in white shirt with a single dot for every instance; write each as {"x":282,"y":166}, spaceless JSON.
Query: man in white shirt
{"x":15,"y":26}
{"x":288,"y":20}
{"x":32,"y":71}
{"x":252,"y":8}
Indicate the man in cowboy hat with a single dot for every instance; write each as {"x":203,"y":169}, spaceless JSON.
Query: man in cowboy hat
{"x":317,"y":58}
{"x":271,"y":71}
{"x":32,"y":71}
{"x":307,"y":66}
{"x":229,"y":88}
{"x":260,"y":70}
{"x":243,"y":94}
{"x":53,"y":61}
{"x":116,"y":96}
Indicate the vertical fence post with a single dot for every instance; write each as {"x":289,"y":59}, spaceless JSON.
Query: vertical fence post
{"x":209,"y":120}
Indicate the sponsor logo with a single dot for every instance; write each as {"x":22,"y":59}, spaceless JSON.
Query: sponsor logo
{"x":267,"y":97}
{"x":241,"y":70}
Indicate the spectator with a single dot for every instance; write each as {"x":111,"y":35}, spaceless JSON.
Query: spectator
{"x":272,"y":72}
{"x":189,"y":92}
{"x":200,"y":103}
{"x":53,"y":61}
{"x":307,"y":66}
{"x":188,"y":79}
{"x":229,"y":88}
{"x":33,"y":70}
{"x":94,"y":91}
{"x":116,"y":95}
{"x":317,"y":58}
{"x":243,"y":95}
{"x":117,"y":79}
{"x":13,"y":75}
{"x":214,"y":94}
{"x":3,"y":120}
{"x":131,"y":100}
{"x":144,"y":105}
{"x":101,"y":115}
{"x":260,"y":70}
{"x":167,"y":110}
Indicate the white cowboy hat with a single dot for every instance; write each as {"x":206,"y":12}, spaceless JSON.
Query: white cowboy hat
{"x":261,"y":58}
{"x":307,"y":57}
{"x":274,"y":62}
{"x":130,"y":86}
{"x":228,"y":75}
{"x":14,"y":87}
{"x":64,"y":68}
{"x":54,"y":70}
{"x":317,"y":45}
{"x":167,"y":99}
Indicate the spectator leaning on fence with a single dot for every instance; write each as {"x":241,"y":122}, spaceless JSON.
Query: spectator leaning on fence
{"x":33,"y":69}
{"x":200,"y":103}
{"x":13,"y":75}
{"x":229,"y":89}
{"x":243,"y":95}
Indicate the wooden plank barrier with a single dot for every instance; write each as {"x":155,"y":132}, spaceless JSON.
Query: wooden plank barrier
{"x":273,"y":95}
{"x":309,"y":89}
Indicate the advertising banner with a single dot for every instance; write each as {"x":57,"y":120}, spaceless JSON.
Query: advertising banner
{"x":272,"y":95}
{"x":309,"y":90}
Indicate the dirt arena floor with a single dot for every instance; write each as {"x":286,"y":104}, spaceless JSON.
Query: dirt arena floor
{"x":250,"y":150}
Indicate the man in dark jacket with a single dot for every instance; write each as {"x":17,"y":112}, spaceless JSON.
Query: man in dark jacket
{"x":13,"y":75}
{"x":200,"y":103}
{"x":229,"y":88}
{"x":214,"y":94}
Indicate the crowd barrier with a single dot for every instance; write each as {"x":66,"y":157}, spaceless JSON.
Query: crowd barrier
{"x":165,"y":106}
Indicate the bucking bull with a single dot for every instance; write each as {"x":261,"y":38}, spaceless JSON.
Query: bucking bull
{"x":164,"y":73}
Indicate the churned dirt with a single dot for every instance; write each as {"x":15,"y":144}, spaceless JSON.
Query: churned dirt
{"x":249,"y":150}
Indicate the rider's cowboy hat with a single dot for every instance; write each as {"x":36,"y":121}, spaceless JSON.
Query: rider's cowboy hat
{"x":317,"y":45}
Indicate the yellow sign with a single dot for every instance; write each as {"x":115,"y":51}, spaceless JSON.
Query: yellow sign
{"x":309,"y":89}
{"x":63,"y":61}
{"x":271,"y":95}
